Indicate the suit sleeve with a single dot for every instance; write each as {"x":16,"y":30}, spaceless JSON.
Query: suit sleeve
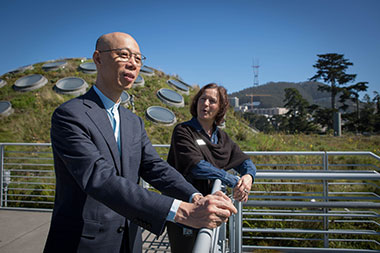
{"x":81,"y":148}
{"x":160,"y":174}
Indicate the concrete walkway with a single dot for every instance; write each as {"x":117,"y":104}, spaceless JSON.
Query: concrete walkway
{"x":23,"y":231}
{"x":26,"y":231}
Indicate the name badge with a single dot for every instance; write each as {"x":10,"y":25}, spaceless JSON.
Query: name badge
{"x":200,"y":142}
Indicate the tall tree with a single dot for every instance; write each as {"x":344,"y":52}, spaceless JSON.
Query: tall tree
{"x":259,"y":122}
{"x":367,"y":119}
{"x":323,"y":117}
{"x":352,"y":93}
{"x":331,"y":68}
{"x":298,"y":112}
{"x":376,"y":100}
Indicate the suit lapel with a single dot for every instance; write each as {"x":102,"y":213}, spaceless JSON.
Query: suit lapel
{"x":99,"y":116}
{"x":125,"y":138}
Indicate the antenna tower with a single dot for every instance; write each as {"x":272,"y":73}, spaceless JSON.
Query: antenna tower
{"x":255,"y":67}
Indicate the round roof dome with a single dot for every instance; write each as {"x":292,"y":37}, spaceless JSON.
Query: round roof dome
{"x":125,"y":97}
{"x":21,"y":69}
{"x":30,"y":82}
{"x":5,"y":108}
{"x":170,"y":97}
{"x":139,"y":81}
{"x":161,"y":115}
{"x":71,"y":85}
{"x":88,"y":67}
{"x":54,"y":65}
{"x":180,"y":86}
{"x":2,"y":83}
{"x":145,"y":70}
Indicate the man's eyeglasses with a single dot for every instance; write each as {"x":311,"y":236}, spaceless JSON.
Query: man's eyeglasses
{"x":125,"y":55}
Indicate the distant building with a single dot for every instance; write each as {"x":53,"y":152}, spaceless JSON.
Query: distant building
{"x":261,"y":111}
{"x":234,"y":101}
{"x":269,"y":111}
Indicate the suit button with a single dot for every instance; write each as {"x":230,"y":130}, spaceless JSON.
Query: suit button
{"x":120,"y":229}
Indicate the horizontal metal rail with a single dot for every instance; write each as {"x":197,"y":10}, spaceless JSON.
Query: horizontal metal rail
{"x":319,"y":175}
{"x":319,"y":204}
{"x":311,"y":231}
{"x":314,"y":214}
{"x":305,"y":249}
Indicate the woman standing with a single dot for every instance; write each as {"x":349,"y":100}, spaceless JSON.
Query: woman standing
{"x":202,"y":153}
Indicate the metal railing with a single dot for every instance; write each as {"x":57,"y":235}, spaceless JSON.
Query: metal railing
{"x":300,"y":201}
{"x":326,"y":201}
{"x":27,"y":176}
{"x":208,"y":240}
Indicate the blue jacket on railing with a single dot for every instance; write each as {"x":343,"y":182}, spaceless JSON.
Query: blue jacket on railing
{"x":205,"y":170}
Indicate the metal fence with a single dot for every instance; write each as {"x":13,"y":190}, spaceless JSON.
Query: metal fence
{"x":312,"y":201}
{"x":300,"y":201}
{"x":27,"y":176}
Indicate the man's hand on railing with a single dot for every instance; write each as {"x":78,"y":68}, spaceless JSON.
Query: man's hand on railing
{"x":242,"y":188}
{"x":210,"y":211}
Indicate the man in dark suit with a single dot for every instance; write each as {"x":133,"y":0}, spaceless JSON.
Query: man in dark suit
{"x":100,"y":151}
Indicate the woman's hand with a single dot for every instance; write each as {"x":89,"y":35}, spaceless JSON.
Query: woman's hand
{"x":242,"y":188}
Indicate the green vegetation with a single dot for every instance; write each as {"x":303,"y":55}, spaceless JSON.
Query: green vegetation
{"x":30,"y":121}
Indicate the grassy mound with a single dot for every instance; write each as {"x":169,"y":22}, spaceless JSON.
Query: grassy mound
{"x":30,"y":121}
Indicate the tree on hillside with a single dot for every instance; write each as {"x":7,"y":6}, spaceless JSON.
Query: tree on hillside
{"x":322,"y":117}
{"x":331,"y":68}
{"x":367,"y":117}
{"x":369,"y":120}
{"x":298,"y":112}
{"x":352,"y":93}
{"x":376,"y":100}
{"x":259,"y":122}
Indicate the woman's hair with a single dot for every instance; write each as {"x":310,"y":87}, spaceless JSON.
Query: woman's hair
{"x":223,"y":102}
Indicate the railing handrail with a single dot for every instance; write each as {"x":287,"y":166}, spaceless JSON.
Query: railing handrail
{"x":24,"y":144}
{"x":246,"y":152}
{"x":374,"y":175}
{"x":204,"y":238}
{"x":316,"y":204}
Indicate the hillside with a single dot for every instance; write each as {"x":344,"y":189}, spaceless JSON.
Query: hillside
{"x":275,"y":94}
{"x":30,"y":121}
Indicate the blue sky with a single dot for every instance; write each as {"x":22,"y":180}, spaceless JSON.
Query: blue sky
{"x":202,"y":41}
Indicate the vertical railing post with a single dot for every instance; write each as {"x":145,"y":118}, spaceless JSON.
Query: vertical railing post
{"x":238,"y":227}
{"x":203,"y":242}
{"x":220,"y":235}
{"x":1,"y":173}
{"x":221,"y":240}
{"x":214,"y":240}
{"x":231,"y":227}
{"x":325,"y":197}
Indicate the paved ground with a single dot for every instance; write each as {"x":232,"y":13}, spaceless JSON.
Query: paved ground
{"x":26,"y":231}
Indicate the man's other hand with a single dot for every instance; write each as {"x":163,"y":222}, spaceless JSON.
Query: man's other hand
{"x":210,"y":211}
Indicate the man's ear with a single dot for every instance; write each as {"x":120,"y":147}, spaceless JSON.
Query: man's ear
{"x":96,"y":57}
